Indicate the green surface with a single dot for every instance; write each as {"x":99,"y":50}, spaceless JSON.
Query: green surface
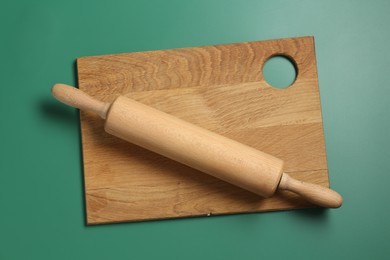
{"x":279,"y":71}
{"x":41,"y":189}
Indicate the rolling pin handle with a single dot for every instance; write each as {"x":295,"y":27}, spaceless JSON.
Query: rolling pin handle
{"x":316,"y":194}
{"x":76,"y":98}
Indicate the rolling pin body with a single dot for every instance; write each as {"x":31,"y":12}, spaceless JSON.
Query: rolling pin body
{"x":196,"y":147}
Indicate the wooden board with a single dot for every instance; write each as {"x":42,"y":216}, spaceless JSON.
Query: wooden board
{"x":220,"y":88}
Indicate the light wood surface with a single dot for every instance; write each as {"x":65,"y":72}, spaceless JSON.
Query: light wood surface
{"x":219,"y":88}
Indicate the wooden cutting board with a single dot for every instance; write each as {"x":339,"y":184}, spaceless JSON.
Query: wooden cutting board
{"x":220,"y":88}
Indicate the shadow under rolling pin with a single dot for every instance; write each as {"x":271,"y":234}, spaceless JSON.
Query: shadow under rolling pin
{"x":196,"y":147}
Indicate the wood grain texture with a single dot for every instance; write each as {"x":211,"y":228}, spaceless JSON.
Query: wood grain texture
{"x":220,"y":88}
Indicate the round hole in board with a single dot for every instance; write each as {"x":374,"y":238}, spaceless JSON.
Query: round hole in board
{"x":279,"y":71}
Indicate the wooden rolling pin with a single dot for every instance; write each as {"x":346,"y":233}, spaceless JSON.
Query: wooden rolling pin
{"x":196,"y":147}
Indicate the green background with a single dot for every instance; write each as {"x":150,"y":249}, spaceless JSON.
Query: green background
{"x":41,"y":190}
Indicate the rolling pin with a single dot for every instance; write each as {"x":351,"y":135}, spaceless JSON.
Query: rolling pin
{"x":196,"y":147}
